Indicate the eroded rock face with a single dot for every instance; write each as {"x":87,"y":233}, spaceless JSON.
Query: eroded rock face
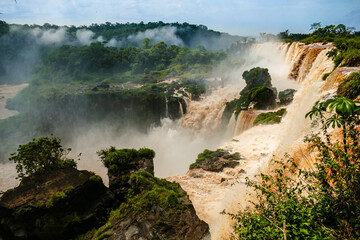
{"x":56,"y":204}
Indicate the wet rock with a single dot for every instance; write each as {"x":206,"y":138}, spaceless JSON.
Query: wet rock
{"x":286,"y":96}
{"x":216,"y":161}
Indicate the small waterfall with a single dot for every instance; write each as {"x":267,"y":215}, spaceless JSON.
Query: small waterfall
{"x":245,"y":121}
{"x":230,"y":127}
{"x":166,"y":107}
{"x":181,"y":109}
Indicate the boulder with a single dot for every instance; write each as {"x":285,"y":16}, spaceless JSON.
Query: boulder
{"x":216,"y":161}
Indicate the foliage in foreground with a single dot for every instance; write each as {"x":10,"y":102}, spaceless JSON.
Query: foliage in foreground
{"x":39,"y":155}
{"x":320,"y":204}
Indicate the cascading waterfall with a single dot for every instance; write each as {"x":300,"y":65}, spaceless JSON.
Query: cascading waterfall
{"x":258,"y":144}
{"x":204,"y":116}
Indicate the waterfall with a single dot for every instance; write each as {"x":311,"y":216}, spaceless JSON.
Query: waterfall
{"x":245,"y":121}
{"x":230,"y":127}
{"x":181,"y":109}
{"x":166,"y":107}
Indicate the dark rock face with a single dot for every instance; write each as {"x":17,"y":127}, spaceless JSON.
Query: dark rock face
{"x":215,"y":161}
{"x":56,"y":204}
{"x":286,"y":96}
{"x":185,"y":226}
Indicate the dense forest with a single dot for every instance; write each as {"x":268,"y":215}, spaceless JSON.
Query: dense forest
{"x":22,"y":46}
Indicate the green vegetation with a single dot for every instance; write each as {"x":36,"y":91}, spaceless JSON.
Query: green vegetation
{"x":213,"y":156}
{"x":116,"y":160}
{"x":321,"y":203}
{"x":286,"y":96}
{"x":21,"y":48}
{"x":263,"y":97}
{"x":256,"y":77}
{"x":258,"y":90}
{"x":147,"y":194}
{"x":58,"y":196}
{"x":324,"y":77}
{"x":39,"y":155}
{"x":96,"y":61}
{"x":350,"y":86}
{"x":270,"y":117}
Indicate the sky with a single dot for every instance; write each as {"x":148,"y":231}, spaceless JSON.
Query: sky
{"x":241,"y":17}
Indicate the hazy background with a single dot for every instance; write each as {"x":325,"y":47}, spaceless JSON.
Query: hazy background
{"x":243,"y":17}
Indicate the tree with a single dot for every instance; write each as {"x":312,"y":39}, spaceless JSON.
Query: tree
{"x":39,"y":155}
{"x":315,"y":26}
{"x":256,"y":77}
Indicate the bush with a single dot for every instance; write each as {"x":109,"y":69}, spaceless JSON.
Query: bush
{"x":39,"y":155}
{"x":119,"y":159}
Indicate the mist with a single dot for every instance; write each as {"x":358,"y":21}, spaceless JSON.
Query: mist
{"x":175,"y":142}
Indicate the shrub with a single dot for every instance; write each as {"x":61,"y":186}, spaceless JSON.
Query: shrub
{"x":39,"y":155}
{"x":350,"y":86}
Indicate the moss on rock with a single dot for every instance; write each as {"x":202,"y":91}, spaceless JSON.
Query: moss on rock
{"x":215,"y":161}
{"x":269,"y":117}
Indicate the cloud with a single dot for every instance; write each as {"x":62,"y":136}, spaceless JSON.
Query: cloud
{"x":51,"y":36}
{"x":162,"y":34}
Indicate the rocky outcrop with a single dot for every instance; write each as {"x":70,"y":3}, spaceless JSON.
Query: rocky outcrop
{"x":155,"y":209}
{"x":55,"y":204}
{"x":216,"y":161}
{"x":121,"y":163}
{"x":65,"y":202}
{"x":286,"y":96}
